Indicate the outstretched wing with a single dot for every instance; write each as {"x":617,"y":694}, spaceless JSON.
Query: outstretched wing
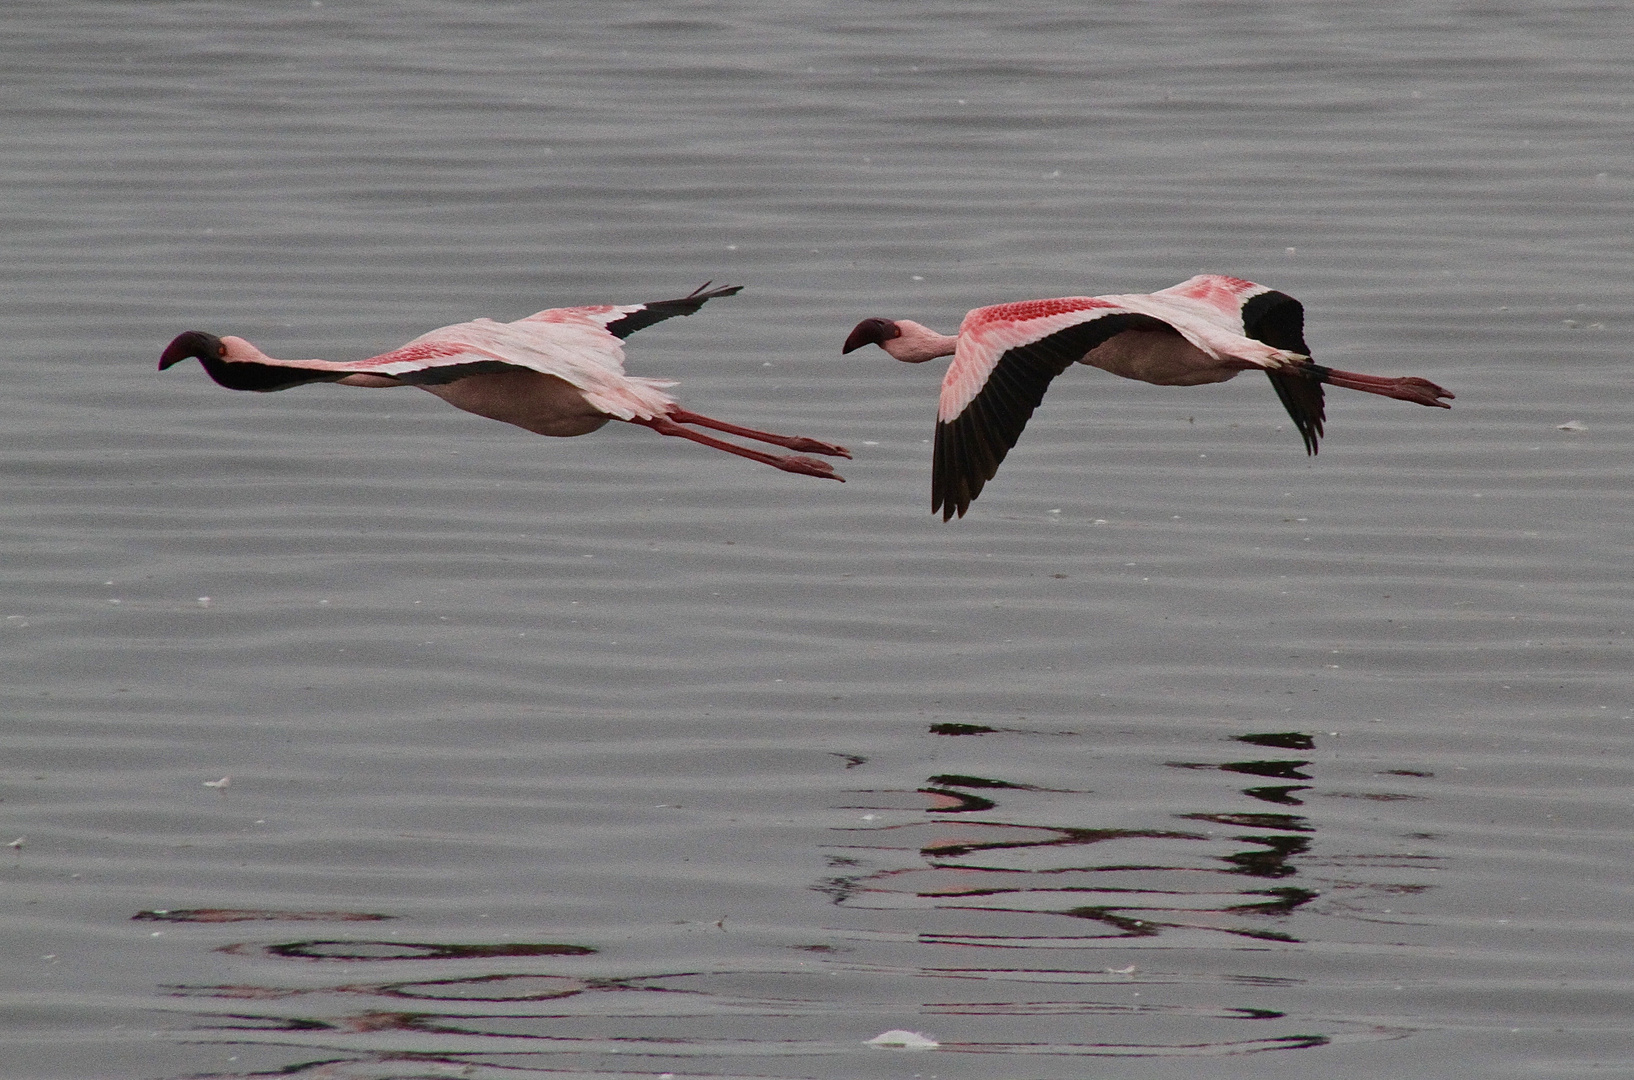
{"x":1006,"y":357}
{"x":1272,"y":317}
{"x":571,"y":344}
{"x":641,"y":315}
{"x":565,"y":342}
{"x":622,"y":320}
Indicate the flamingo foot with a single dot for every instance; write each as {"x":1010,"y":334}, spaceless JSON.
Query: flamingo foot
{"x":809,"y":466}
{"x":817,"y":446}
{"x":1424,"y":392}
{"x":794,"y":463}
{"x":1401,"y":387}
{"x":792,"y":442}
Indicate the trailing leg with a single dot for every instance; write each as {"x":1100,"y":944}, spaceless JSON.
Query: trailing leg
{"x":807,"y":466}
{"x":1403,"y":387}
{"x":792,"y":442}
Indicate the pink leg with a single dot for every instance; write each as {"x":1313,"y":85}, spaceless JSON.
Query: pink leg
{"x":793,"y":442}
{"x":807,"y":466}
{"x":1405,"y":388}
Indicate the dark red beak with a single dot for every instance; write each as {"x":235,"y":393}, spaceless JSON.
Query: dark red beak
{"x":871,"y":332}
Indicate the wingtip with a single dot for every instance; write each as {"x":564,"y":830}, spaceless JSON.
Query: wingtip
{"x":706,"y":293}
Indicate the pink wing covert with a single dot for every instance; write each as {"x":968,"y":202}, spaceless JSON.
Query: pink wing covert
{"x":1005,"y":359}
{"x":987,"y":333}
{"x":1217,"y":292}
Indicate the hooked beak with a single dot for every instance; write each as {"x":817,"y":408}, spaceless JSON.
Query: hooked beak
{"x":192,"y":343}
{"x":871,"y":332}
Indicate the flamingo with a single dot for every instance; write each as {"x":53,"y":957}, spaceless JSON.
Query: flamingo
{"x":559,"y":372}
{"x":1204,"y":330}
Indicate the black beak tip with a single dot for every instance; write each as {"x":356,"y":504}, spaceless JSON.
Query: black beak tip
{"x":190,"y":343}
{"x":870,"y":332}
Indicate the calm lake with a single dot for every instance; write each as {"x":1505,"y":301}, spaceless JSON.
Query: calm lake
{"x":1183,"y":754}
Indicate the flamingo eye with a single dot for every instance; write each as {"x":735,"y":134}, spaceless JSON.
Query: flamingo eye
{"x":221,"y":349}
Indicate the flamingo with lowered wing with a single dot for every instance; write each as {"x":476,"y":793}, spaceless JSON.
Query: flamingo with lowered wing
{"x":1203,"y":330}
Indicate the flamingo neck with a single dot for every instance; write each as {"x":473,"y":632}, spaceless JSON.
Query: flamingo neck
{"x":239,"y":349}
{"x":915,"y":343}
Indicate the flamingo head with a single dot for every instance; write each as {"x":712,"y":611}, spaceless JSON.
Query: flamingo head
{"x":192,"y":343}
{"x":903,"y":339}
{"x":871,"y":332}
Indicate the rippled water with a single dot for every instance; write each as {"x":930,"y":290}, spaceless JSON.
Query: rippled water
{"x":616,"y":756}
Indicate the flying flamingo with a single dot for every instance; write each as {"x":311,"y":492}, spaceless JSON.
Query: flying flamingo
{"x":559,"y":372}
{"x":1203,"y":330}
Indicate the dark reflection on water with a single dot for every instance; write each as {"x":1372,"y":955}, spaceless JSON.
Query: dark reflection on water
{"x":230,"y":915}
{"x":962,"y":729}
{"x":1134,"y":884}
{"x":1283,"y":794}
{"x":956,"y":729}
{"x":1060,"y":892}
{"x":476,"y":988}
{"x":956,"y":802}
{"x":955,"y":780}
{"x":1277,"y":793}
{"x":947,"y":801}
{"x":1270,"y":856}
{"x":1286,"y":740}
{"x":494,"y":1025}
{"x":401,"y":950}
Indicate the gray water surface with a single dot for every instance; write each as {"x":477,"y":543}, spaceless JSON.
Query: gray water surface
{"x":621,"y":757}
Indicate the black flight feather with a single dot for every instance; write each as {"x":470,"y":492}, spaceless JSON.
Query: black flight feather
{"x":969,"y":448}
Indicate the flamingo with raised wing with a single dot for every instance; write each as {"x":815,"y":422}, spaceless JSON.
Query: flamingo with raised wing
{"x":1203,"y":330}
{"x":559,"y":372}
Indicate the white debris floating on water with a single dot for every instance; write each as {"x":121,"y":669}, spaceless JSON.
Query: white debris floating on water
{"x":897,"y":1039}
{"x":222,"y":783}
{"x":1572,"y":425}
